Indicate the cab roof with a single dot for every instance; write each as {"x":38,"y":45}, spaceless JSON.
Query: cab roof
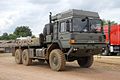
{"x":75,"y":13}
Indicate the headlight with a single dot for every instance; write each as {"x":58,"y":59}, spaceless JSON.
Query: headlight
{"x":111,"y":48}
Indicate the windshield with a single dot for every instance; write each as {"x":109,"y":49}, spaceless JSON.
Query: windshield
{"x":86,"y":25}
{"x":95,"y":24}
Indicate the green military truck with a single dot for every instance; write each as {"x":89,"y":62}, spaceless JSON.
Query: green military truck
{"x":69,"y":36}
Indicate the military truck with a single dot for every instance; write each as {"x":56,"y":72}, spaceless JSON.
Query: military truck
{"x":69,"y":36}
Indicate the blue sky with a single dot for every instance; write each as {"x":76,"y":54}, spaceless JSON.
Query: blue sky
{"x":34,"y":13}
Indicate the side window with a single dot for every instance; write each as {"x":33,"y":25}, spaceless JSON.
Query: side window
{"x":68,"y":26}
{"x":62,"y":26}
{"x":65,"y":26}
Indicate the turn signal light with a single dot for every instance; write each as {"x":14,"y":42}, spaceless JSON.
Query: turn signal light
{"x":71,"y":41}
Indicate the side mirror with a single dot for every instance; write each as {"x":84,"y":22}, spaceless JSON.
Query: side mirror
{"x":51,"y":28}
{"x":102,"y":24}
{"x":83,"y":20}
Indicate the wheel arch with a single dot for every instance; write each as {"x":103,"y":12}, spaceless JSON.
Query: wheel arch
{"x":50,"y":48}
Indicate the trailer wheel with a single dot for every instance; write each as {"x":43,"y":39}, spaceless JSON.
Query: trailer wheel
{"x":85,"y":62}
{"x":18,"y":56}
{"x":25,"y":58}
{"x":57,"y":60}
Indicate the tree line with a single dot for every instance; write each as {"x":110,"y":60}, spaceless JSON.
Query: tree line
{"x":105,"y":22}
{"x":22,"y":31}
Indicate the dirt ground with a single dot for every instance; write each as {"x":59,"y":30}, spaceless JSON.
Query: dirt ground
{"x":104,"y":68}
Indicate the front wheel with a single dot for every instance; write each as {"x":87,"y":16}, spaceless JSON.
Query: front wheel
{"x":85,"y":62}
{"x":57,"y":60}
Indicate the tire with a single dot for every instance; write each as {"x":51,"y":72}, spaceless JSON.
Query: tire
{"x":18,"y":56}
{"x":57,"y":60}
{"x":85,"y":62}
{"x":25,"y":58}
{"x":41,"y":61}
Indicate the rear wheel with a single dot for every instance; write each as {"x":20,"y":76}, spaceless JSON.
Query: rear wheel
{"x":85,"y":62}
{"x":57,"y":60}
{"x":25,"y":58}
{"x":18,"y":56}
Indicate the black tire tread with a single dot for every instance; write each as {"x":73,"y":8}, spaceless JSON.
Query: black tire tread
{"x":61,"y":57}
{"x":29,"y":60}
{"x":85,"y":62}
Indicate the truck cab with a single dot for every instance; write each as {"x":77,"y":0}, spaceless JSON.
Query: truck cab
{"x":76,"y":31}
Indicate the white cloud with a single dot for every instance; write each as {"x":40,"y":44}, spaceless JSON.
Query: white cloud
{"x":34,"y":13}
{"x":111,"y":14}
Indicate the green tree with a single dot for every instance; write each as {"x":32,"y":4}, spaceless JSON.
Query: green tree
{"x":23,"y":31}
{"x":0,"y":37}
{"x":5,"y":36}
{"x":113,"y":22}
{"x":12,"y":36}
{"x":105,"y":22}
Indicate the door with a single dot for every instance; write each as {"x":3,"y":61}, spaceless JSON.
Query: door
{"x":64,"y":34}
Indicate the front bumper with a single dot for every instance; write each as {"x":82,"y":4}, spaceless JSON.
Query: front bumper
{"x":86,"y":49}
{"x":88,"y":45}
